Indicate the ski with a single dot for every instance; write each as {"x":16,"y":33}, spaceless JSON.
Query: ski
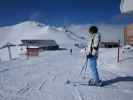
{"x":78,"y":83}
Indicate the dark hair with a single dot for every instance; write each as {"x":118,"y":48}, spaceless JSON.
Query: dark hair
{"x":93,"y":29}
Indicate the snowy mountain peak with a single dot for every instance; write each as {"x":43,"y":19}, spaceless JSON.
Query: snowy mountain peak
{"x":32,"y":30}
{"x":30,"y":23}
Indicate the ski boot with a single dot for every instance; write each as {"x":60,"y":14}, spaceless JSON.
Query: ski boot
{"x":95,"y":83}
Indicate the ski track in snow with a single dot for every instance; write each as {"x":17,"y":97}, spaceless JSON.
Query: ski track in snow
{"x":45,"y":76}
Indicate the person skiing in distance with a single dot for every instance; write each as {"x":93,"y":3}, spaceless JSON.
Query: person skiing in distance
{"x":92,"y":55}
{"x":71,"y":51}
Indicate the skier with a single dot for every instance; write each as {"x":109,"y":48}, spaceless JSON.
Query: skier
{"x":92,"y":56}
{"x":71,"y":51}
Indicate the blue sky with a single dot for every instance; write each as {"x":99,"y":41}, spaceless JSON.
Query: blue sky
{"x":60,"y":12}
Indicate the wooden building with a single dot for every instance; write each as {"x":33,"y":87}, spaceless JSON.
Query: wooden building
{"x":128,"y":34}
{"x":33,"y":47}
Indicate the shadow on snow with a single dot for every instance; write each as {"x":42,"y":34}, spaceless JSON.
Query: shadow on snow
{"x":118,"y":79}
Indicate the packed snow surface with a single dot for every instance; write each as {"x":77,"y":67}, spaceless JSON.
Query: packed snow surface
{"x":45,"y":77}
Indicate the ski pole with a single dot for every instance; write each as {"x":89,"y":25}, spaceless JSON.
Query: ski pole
{"x":84,"y":66}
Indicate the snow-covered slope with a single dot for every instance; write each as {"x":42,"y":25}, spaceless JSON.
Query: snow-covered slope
{"x":31,"y":30}
{"x":35,"y":30}
{"x":44,"y":77}
{"x":109,"y":33}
